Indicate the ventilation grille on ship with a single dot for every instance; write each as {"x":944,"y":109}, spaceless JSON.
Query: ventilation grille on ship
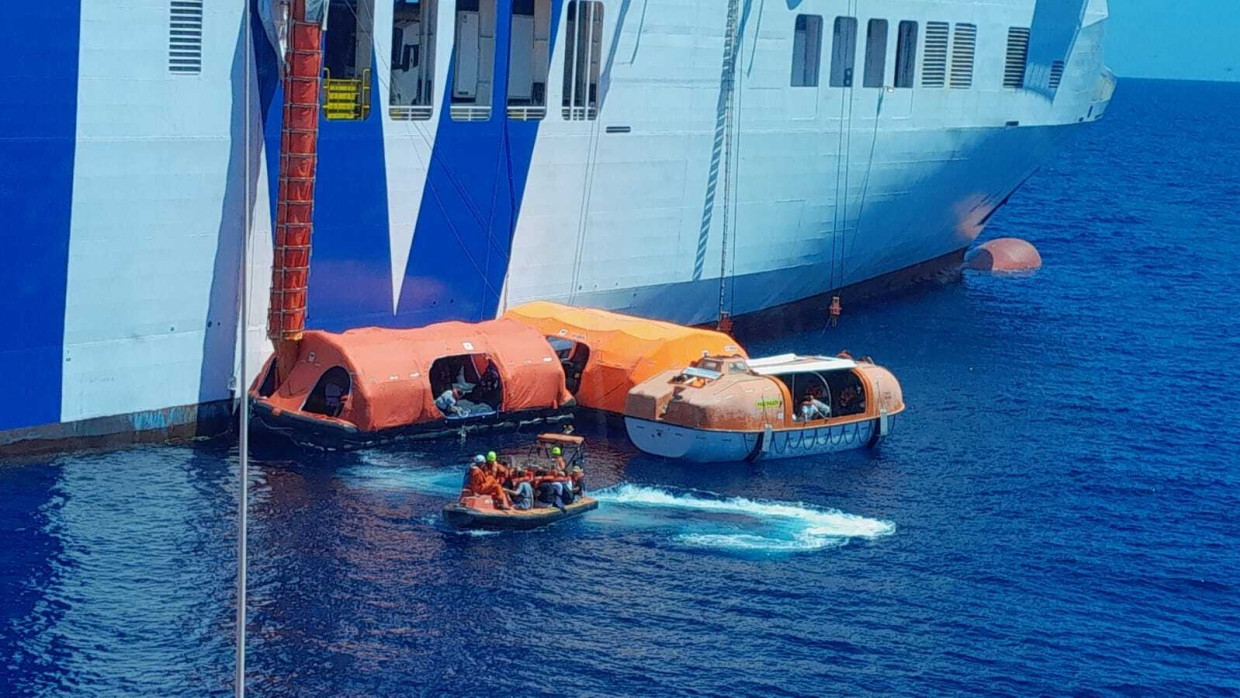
{"x":1017,"y":57}
{"x":964,"y":44}
{"x":1056,"y":74}
{"x":934,"y":69}
{"x":185,"y":37}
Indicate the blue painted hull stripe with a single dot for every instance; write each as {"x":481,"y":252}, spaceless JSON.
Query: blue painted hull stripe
{"x":476,"y":182}
{"x":39,"y":52}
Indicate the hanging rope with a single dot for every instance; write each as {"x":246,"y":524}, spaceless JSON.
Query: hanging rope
{"x":731,"y":41}
{"x":869,"y":167}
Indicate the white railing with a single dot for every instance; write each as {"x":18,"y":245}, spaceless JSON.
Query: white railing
{"x":470,"y":112}
{"x":411,"y":113}
{"x":526,"y":113}
{"x":580,"y":113}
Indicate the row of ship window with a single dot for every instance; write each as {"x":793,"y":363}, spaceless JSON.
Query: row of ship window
{"x":948,"y":54}
{"x":941,"y":41}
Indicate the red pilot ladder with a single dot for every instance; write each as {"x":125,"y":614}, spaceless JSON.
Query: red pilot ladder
{"x":290,"y":269}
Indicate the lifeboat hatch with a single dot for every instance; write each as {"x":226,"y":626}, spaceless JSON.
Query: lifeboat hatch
{"x":841,"y":390}
{"x":348,"y":48}
{"x":328,"y":396}
{"x":573,"y":356}
{"x":476,"y":379}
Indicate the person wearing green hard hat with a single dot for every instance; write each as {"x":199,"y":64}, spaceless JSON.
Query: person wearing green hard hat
{"x":557,"y":455}
{"x":502,"y":471}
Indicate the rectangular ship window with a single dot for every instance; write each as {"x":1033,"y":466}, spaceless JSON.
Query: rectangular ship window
{"x":1017,"y":57}
{"x":185,"y":37}
{"x":964,"y":45}
{"x":583,"y":48}
{"x":934,"y":65}
{"x":473,"y":60}
{"x":529,"y":59}
{"x":348,"y":47}
{"x":844,"y":52}
{"x":806,"y":50}
{"x":875,"y":53}
{"x":412,"y":85}
{"x":906,"y":54}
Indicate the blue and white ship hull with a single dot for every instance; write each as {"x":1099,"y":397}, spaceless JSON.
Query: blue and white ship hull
{"x":139,"y":144}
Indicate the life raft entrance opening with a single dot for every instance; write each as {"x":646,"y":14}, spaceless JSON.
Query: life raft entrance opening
{"x":474,"y":376}
{"x":329,"y":393}
{"x":270,"y":380}
{"x":573,"y":359}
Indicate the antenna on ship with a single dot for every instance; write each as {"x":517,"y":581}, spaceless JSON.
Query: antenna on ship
{"x":243,"y":426}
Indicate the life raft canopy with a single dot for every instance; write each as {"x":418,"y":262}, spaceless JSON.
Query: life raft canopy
{"x":378,"y":378}
{"x":606,"y":354}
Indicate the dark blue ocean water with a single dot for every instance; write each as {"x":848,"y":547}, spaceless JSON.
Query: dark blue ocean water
{"x":1055,"y":513}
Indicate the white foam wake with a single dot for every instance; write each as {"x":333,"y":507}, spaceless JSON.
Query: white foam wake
{"x":782,"y":526}
{"x":386,"y":473}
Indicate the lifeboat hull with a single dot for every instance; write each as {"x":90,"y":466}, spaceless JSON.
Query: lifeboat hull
{"x":710,"y":446}
{"x":460,"y":516}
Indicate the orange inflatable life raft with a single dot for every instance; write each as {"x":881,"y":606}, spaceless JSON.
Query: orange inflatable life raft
{"x":372,"y":385}
{"x":606,"y":354}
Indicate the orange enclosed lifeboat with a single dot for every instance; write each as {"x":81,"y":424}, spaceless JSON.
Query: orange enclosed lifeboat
{"x":724,"y":409}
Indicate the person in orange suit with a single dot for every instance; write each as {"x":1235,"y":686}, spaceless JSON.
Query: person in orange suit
{"x":482,"y":481}
{"x":501,"y":470}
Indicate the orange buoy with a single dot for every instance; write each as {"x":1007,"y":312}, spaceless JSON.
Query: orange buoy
{"x":1004,"y":254}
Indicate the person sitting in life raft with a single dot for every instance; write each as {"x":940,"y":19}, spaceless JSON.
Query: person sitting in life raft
{"x":520,"y":488}
{"x":851,"y":400}
{"x":561,"y":475}
{"x":446,"y":402}
{"x":501,"y":469}
{"x":554,"y":489}
{"x":481,"y":481}
{"x":812,"y":408}
{"x":578,"y":479}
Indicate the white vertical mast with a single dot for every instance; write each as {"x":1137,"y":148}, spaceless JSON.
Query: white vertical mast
{"x":243,"y":441}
